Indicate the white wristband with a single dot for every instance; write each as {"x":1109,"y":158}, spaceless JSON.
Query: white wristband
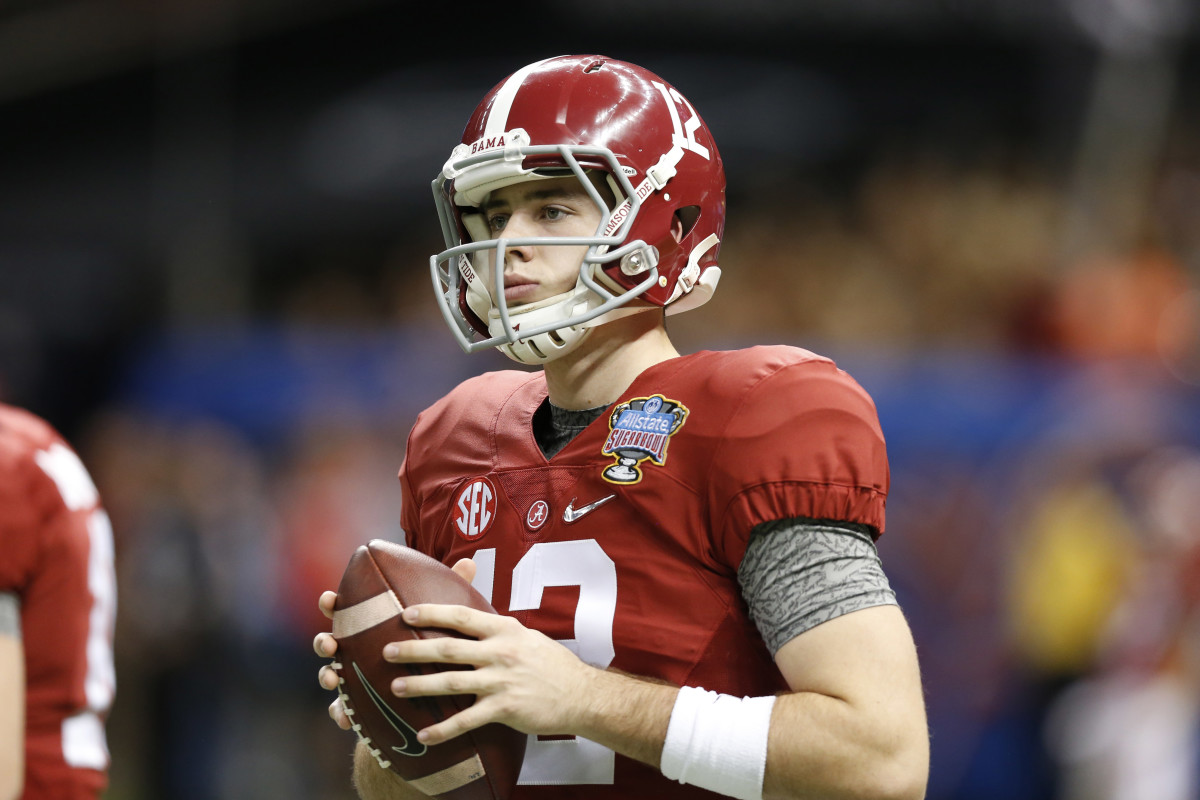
{"x":718,"y":742}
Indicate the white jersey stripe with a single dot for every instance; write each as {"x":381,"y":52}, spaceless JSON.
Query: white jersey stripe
{"x":497,"y":122}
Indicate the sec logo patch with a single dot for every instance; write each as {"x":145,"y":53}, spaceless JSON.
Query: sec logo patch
{"x":475,"y":508}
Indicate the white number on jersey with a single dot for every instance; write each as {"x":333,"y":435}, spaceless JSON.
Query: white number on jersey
{"x":584,"y":564}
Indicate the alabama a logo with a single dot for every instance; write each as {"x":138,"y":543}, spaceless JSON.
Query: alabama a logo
{"x":640,"y":430}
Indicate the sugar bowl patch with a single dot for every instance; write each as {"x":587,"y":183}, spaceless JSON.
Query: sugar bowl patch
{"x":640,"y":430}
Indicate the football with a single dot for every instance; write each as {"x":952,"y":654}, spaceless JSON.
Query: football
{"x":381,"y":579}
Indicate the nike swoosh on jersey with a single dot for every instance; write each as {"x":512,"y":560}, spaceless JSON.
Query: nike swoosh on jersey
{"x":571,"y":514}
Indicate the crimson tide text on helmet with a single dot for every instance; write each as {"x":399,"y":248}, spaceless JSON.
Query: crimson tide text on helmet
{"x":579,"y":114}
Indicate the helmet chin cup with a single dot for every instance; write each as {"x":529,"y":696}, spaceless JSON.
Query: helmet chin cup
{"x":539,"y":345}
{"x":545,"y":347}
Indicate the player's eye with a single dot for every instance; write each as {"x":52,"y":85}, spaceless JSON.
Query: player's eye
{"x":554,"y":213}
{"x":496,"y":222}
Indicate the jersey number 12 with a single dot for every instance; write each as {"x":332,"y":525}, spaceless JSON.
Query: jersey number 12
{"x":581,"y":563}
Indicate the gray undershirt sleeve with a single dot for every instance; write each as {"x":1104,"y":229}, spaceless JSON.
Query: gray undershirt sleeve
{"x":10,"y":614}
{"x":798,"y":573}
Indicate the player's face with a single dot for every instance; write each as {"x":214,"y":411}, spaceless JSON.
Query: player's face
{"x":555,"y":207}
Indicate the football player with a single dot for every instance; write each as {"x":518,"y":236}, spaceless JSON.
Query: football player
{"x":57,"y":610}
{"x":682,"y":547}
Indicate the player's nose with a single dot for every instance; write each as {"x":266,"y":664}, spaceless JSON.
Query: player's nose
{"x":518,"y":227}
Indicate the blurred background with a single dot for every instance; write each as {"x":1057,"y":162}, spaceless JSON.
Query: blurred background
{"x":215,"y":223}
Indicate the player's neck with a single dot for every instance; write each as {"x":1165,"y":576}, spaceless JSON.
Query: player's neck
{"x":608,"y":361}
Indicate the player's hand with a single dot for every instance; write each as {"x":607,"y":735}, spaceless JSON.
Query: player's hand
{"x":325,"y":645}
{"x":522,"y":678}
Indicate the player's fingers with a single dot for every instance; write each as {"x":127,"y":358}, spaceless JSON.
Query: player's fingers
{"x":325,"y":645}
{"x":466,"y":720}
{"x":465,"y":569}
{"x":325,"y":603}
{"x":337,"y":713}
{"x":328,"y":678}
{"x":450,"y":682}
{"x":442,"y":650}
{"x":460,"y":618}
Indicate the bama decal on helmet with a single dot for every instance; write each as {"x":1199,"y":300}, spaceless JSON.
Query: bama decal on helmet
{"x":487,"y":143}
{"x":640,"y":430}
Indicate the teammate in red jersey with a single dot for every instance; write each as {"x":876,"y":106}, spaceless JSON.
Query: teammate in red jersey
{"x":57,"y":610}
{"x":682,"y":547}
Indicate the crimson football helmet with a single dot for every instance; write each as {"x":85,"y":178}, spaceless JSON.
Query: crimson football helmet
{"x":587,"y":116}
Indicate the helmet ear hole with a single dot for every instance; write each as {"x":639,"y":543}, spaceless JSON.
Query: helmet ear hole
{"x":687,"y":217}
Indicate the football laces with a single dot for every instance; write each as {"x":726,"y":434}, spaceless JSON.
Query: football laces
{"x":376,"y":752}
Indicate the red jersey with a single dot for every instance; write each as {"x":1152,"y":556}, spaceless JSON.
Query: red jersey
{"x":625,"y":545}
{"x":56,"y":555}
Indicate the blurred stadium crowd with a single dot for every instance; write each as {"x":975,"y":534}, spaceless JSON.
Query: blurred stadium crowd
{"x":1023,"y":304}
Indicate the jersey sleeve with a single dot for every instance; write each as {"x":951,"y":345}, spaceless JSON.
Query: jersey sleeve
{"x":416,"y":472}
{"x":805,"y":442}
{"x":409,"y":514}
{"x":451,"y":440}
{"x":28,"y":499}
